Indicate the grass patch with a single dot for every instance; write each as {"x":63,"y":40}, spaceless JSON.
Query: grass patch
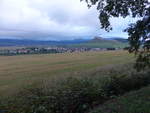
{"x":17,"y":71}
{"x":76,"y":94}
{"x":133,"y":102}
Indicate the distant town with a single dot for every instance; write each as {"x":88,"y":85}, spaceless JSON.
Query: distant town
{"x":46,"y":50}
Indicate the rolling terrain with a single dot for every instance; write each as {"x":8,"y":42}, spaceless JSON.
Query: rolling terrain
{"x":99,"y":42}
{"x":21,"y":42}
{"x":96,"y":42}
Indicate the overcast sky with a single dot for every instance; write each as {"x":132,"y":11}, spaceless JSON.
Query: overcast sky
{"x":53,"y":20}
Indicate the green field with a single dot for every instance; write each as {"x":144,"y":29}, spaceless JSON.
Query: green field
{"x":133,"y":102}
{"x":102,"y":45}
{"x":18,"y":71}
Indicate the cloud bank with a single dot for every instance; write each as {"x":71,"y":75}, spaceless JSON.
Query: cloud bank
{"x":53,"y":19}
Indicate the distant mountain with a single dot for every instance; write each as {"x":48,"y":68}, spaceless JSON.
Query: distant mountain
{"x":18,"y":42}
{"x":120,"y":39}
{"x":99,"y":42}
{"x":103,"y":40}
{"x":96,"y":42}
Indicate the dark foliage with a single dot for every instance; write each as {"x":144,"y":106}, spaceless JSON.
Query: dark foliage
{"x":75,"y":95}
{"x":139,"y":32}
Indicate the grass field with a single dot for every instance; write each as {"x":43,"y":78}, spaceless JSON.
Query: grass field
{"x":133,"y":102}
{"x":17,"y":71}
{"x":102,"y":45}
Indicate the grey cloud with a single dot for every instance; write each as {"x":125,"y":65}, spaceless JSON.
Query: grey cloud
{"x":49,"y":19}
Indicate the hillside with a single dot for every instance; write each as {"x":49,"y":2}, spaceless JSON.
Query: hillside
{"x":98,"y":42}
{"x":18,"y":42}
{"x":133,"y":102}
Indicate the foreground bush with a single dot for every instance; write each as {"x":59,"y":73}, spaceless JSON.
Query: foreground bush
{"x":70,"y":96}
{"x":118,"y":85}
{"x":76,"y":95}
{"x":133,"y":102}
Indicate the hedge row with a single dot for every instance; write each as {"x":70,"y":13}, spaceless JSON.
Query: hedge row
{"x":75,"y":95}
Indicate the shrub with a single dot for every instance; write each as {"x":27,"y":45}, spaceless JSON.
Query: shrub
{"x":70,"y":96}
{"x":76,"y":95}
{"x":118,"y":85}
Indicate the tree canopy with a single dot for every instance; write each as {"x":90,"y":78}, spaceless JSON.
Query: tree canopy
{"x":139,"y":32}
